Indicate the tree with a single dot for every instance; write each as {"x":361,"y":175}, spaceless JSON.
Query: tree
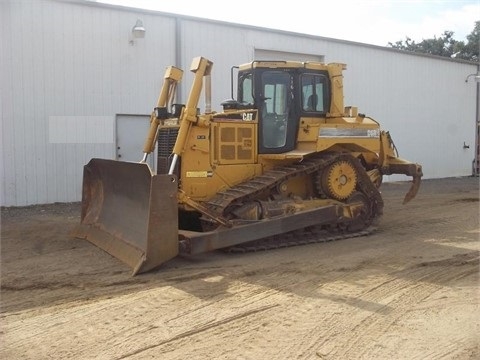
{"x":471,"y":49}
{"x":445,"y":45}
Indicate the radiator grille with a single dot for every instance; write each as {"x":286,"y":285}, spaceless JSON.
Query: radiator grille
{"x":165,"y":144}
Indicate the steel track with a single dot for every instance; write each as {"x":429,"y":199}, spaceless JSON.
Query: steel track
{"x":307,"y":236}
{"x":225,"y":202}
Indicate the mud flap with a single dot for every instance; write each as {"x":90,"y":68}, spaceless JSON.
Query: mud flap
{"x":130,"y":213}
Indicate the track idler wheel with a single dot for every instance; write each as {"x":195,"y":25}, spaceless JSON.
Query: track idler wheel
{"x":339,"y":180}
{"x":364,"y":217}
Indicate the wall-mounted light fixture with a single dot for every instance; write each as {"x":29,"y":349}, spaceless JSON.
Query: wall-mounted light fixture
{"x":476,"y":77}
{"x":138,"y":32}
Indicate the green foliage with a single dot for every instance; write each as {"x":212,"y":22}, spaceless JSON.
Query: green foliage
{"x":445,"y":45}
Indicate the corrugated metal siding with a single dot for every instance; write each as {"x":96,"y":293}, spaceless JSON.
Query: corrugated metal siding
{"x":423,"y":102}
{"x":262,"y":54}
{"x":73,"y":60}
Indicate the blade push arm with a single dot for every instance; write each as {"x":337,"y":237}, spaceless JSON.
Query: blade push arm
{"x":200,"y":67}
{"x":172,"y":77}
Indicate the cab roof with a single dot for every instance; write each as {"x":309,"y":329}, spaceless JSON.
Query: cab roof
{"x":279,"y":64}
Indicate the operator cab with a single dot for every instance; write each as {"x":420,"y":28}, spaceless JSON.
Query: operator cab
{"x":282,"y":96}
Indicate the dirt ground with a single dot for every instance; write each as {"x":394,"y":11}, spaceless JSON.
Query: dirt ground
{"x":408,"y":291}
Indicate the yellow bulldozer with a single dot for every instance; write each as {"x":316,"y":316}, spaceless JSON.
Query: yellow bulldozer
{"x":283,"y":163}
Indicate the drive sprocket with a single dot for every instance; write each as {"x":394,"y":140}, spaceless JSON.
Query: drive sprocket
{"x":338,"y":180}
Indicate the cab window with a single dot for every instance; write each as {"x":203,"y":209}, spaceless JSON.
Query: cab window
{"x":246,"y":89}
{"x":314,"y":93}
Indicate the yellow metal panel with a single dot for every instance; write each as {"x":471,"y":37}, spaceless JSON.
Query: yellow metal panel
{"x":199,"y":189}
{"x":349,"y":135}
{"x":224,"y":177}
{"x":234,"y":142}
{"x":308,"y":133}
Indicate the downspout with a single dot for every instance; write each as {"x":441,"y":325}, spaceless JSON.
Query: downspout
{"x":178,"y":53}
{"x":476,"y":161}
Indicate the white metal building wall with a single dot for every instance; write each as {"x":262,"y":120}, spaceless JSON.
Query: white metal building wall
{"x":423,"y":101}
{"x":66,"y":63}
{"x":70,"y":64}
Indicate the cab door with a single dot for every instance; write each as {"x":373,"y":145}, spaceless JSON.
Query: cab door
{"x":278,"y":120}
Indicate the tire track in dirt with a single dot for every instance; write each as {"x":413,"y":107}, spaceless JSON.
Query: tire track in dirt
{"x":400,"y":294}
{"x":405,"y":292}
{"x":128,"y":319}
{"x":221,"y":320}
{"x":198,"y":330}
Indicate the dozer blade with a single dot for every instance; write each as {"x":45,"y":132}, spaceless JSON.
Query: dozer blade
{"x":130,"y":213}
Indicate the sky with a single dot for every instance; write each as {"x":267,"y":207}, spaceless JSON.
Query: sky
{"x":376,"y":22}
